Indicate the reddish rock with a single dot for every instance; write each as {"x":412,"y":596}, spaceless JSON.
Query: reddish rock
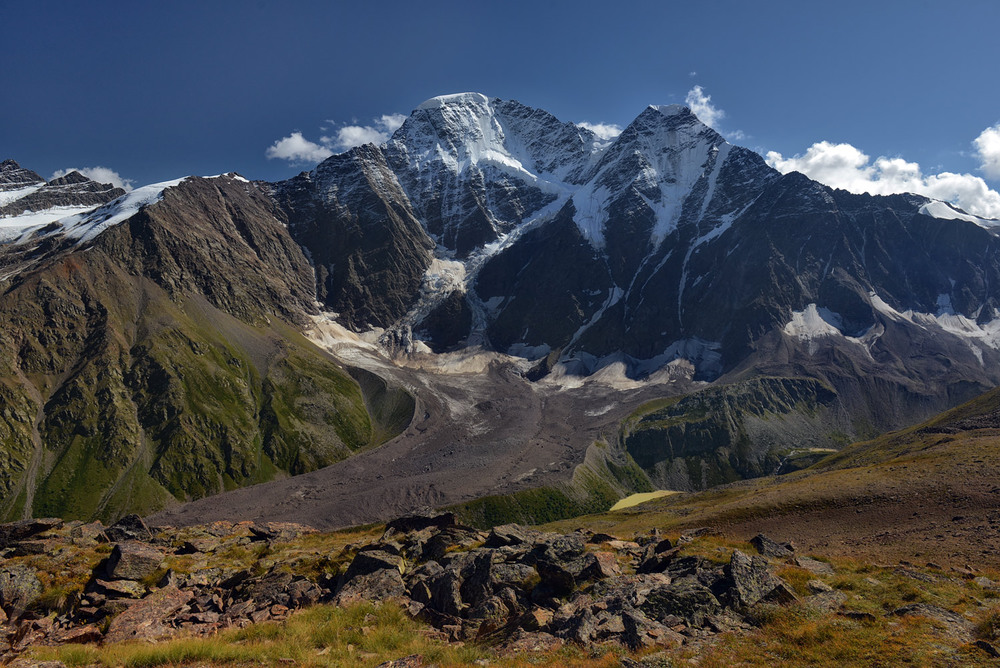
{"x":77,"y":635}
{"x":604,"y":565}
{"x":146,"y":619}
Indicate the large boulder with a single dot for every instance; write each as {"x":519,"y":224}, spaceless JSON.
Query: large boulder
{"x":751,"y":580}
{"x":382,"y":585}
{"x":148,"y":619}
{"x":509,"y":534}
{"x":132,"y":560}
{"x":769,"y":548}
{"x":685,"y":598}
{"x":19,"y":587}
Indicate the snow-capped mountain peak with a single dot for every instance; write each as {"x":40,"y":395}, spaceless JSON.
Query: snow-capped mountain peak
{"x":453,"y":100}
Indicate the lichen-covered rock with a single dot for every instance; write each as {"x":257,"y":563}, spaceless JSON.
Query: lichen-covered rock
{"x":769,"y":548}
{"x":148,"y":618}
{"x":814,"y":565}
{"x":133,"y":560}
{"x":685,"y":598}
{"x":370,"y":561}
{"x":509,"y":534}
{"x":752,"y":582}
{"x":377,"y":586}
{"x":19,"y":587}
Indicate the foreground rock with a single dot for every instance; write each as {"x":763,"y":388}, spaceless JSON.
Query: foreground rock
{"x":518,"y":585}
{"x":513,"y":587}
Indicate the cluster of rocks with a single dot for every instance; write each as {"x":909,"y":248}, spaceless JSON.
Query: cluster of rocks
{"x":526,"y":588}
{"x":131,"y":594}
{"x":510,"y":586}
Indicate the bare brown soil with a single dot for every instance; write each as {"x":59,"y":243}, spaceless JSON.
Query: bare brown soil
{"x":935,"y":498}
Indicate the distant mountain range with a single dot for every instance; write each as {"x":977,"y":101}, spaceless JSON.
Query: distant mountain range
{"x":151,"y":348}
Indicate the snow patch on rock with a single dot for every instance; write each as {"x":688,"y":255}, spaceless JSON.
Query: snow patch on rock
{"x":945,"y":211}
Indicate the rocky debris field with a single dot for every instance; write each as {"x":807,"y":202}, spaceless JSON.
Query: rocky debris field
{"x":513,"y":588}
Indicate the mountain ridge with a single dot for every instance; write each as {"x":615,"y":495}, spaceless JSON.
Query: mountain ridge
{"x":487,"y":237}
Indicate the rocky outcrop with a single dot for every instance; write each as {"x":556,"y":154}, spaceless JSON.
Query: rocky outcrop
{"x":15,"y":177}
{"x":514,"y":586}
{"x":514,"y":581}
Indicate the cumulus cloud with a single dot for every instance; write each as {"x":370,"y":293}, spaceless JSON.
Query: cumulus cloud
{"x":99,"y":174}
{"x":378,"y":132}
{"x":604,"y":131}
{"x":297,"y":149}
{"x":845,"y":166}
{"x":988,"y":148}
{"x":703,"y":108}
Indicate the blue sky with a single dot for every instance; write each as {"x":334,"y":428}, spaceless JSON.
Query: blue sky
{"x":157,"y":91}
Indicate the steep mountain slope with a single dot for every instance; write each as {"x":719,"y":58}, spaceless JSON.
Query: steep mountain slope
{"x":150,"y":354}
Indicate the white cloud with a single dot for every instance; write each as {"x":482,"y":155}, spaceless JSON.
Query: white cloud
{"x":702,"y":107}
{"x":988,"y":147}
{"x":296,"y":149}
{"x":378,"y":132}
{"x":844,"y":166}
{"x":604,"y":131}
{"x":99,"y":174}
{"x":392,"y":122}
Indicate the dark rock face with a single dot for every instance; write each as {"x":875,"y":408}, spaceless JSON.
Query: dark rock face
{"x":551,"y":270}
{"x":367,"y":247}
{"x":15,"y":177}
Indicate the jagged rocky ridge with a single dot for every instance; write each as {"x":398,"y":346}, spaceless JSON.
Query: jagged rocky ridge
{"x":665,"y":242}
{"x":22,"y":190}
